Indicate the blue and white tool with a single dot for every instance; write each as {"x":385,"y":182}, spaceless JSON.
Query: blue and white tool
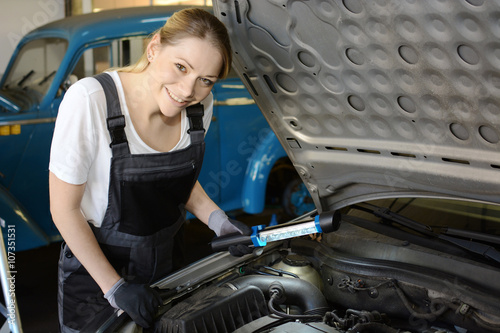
{"x":261,"y":235}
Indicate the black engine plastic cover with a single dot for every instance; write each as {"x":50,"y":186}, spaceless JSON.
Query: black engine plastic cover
{"x":214,"y":309}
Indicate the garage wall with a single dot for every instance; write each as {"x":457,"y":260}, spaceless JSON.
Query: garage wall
{"x":19,"y":17}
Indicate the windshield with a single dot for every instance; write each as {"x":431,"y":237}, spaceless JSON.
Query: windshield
{"x":443,"y":213}
{"x":473,"y":227}
{"x":36,"y":65}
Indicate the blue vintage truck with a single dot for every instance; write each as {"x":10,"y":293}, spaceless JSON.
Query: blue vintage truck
{"x":244,"y":166}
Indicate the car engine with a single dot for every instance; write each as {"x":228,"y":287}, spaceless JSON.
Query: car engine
{"x":309,"y":287}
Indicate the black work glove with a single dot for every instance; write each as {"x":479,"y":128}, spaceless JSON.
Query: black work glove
{"x":139,"y":301}
{"x":221,"y":224}
{"x":239,"y":250}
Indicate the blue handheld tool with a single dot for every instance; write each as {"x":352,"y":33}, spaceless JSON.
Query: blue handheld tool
{"x":261,"y":235}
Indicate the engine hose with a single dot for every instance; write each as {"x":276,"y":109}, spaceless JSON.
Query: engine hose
{"x":298,"y":292}
{"x":484,"y":324}
{"x":281,"y":314}
{"x":445,"y":305}
{"x":431,"y":315}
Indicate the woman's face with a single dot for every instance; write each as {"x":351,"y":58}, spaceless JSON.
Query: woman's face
{"x":182,"y":74}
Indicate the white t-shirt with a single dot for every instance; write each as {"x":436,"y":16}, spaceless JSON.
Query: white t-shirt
{"x":80,"y":151}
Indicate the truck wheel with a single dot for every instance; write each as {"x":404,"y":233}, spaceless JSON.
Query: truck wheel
{"x":296,"y":199}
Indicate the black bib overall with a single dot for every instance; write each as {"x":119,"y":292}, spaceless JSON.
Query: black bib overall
{"x":147,"y":195}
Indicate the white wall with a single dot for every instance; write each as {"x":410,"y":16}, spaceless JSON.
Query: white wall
{"x":18,"y":17}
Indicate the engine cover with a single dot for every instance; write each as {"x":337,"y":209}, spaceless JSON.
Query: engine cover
{"x":214,"y":309}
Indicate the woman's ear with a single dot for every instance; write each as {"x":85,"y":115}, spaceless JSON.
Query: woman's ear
{"x":153,"y":47}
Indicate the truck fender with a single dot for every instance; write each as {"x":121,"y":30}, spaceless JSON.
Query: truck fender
{"x":20,"y":232}
{"x":257,"y":173}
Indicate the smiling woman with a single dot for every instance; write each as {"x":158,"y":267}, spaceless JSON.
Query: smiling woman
{"x":126,"y":154}
{"x":178,"y":76}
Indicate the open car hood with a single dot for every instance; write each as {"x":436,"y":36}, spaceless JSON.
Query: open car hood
{"x":375,"y":99}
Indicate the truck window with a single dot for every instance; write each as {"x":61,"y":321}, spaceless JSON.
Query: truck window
{"x":36,"y":65}
{"x":116,"y":53}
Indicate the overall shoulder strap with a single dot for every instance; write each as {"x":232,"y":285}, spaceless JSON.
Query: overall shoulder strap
{"x":115,"y":119}
{"x":195,"y":115}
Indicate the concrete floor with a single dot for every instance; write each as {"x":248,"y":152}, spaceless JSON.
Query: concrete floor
{"x":36,"y":281}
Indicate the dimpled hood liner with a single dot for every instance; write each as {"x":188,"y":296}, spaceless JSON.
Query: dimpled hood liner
{"x":375,"y":99}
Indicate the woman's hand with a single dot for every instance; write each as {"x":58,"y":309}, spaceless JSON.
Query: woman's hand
{"x":221,"y":224}
{"x":139,"y":301}
{"x":208,"y":212}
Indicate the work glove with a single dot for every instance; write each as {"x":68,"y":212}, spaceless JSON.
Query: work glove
{"x":221,"y":224}
{"x":139,"y":301}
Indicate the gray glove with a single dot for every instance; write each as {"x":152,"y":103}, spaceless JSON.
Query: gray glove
{"x":139,"y":301}
{"x":223,"y":225}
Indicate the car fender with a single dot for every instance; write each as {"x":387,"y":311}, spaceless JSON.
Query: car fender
{"x":257,"y":173}
{"x":20,"y":232}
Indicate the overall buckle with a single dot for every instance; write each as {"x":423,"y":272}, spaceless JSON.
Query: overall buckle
{"x":116,"y":127}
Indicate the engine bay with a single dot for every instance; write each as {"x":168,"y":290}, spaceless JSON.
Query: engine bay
{"x":307,"y":286}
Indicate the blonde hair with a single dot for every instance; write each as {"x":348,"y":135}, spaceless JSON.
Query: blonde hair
{"x":191,"y":22}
